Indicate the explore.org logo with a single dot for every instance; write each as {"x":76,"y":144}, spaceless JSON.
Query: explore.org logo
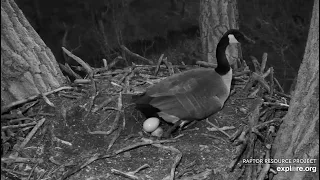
{"x":286,"y":165}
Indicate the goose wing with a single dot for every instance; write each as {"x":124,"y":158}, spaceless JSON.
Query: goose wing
{"x":188,"y":96}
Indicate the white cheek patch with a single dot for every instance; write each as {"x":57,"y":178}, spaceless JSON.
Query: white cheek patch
{"x":232,"y":39}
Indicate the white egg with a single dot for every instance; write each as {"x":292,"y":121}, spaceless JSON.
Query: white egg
{"x":158,"y":132}
{"x":151,"y":124}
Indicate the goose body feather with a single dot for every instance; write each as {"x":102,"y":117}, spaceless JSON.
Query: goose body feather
{"x":190,"y":95}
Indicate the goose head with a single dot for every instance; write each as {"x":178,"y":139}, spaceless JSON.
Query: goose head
{"x":235,"y":36}
{"x":230,"y":37}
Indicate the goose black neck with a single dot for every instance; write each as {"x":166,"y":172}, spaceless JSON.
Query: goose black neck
{"x":222,"y":61}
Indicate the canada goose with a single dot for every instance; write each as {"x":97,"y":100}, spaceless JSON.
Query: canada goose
{"x":194,"y":94}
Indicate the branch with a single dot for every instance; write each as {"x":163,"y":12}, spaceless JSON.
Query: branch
{"x":136,"y":55}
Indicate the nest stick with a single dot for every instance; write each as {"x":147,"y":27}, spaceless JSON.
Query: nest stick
{"x":260,"y":79}
{"x":127,"y":81}
{"x":283,"y":94}
{"x":143,"y":143}
{"x":207,"y":120}
{"x":158,"y":65}
{"x":18,"y":126}
{"x":115,"y":123}
{"x":8,"y":107}
{"x":264,"y":61}
{"x":176,"y":160}
{"x":265,"y":168}
{"x":105,"y":63}
{"x":136,"y":55}
{"x":256,"y":64}
{"x":264,"y":75}
{"x":131,"y":174}
{"x":46,"y":100}
{"x":278,"y":84}
{"x":30,"y":135}
{"x":240,"y":150}
{"x":91,"y":98}
{"x":10,"y":160}
{"x":80,"y":61}
{"x":66,"y":68}
{"x":206,"y":64}
{"x":104,"y":103}
{"x":271,"y":81}
{"x":236,"y":134}
{"x":114,"y":138}
{"x":249,"y":84}
{"x":169,"y":66}
{"x":236,"y":74}
{"x":115,"y":61}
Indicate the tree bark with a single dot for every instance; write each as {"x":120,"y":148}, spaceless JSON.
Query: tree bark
{"x":216,"y":17}
{"x":298,"y":136}
{"x":28,"y":66}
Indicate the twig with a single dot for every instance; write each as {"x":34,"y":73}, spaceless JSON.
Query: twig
{"x":18,"y":126}
{"x":127,"y":81}
{"x":264,"y":124}
{"x":240,"y":150}
{"x":278,"y":84}
{"x":47,"y":100}
{"x":32,"y":170}
{"x":136,"y":55}
{"x":91,"y":98}
{"x":131,"y":174}
{"x":236,"y":134}
{"x":207,"y":120}
{"x":80,"y":61}
{"x":66,"y":68}
{"x":264,"y":75}
{"x":115,"y":61}
{"x":143,"y":143}
{"x":254,"y":93}
{"x":18,"y":120}
{"x":158,"y":65}
{"x":6,"y":108}
{"x":271,"y":81}
{"x":11,"y":160}
{"x":253,"y":121}
{"x":276,"y":104}
{"x":115,"y":123}
{"x":30,"y":135}
{"x":283,"y":94}
{"x":266,"y":166}
{"x":256,"y":64}
{"x":236,"y":74}
{"x":104,"y":103}
{"x":105,"y":63}
{"x":215,"y":137}
{"x":248,"y":85}
{"x":114,"y":138}
{"x":169,"y":66}
{"x":206,"y":64}
{"x":224,"y":128}
{"x":260,"y":79}
{"x":264,"y":61}
{"x":176,"y":161}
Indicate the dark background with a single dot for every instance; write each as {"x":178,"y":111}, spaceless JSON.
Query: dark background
{"x":152,"y":27}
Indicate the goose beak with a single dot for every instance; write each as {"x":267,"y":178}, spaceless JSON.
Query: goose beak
{"x":232,"y":39}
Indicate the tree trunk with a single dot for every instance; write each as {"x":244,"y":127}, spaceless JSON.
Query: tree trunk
{"x":298,"y":136}
{"x":28,"y":66}
{"x":216,"y":17}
